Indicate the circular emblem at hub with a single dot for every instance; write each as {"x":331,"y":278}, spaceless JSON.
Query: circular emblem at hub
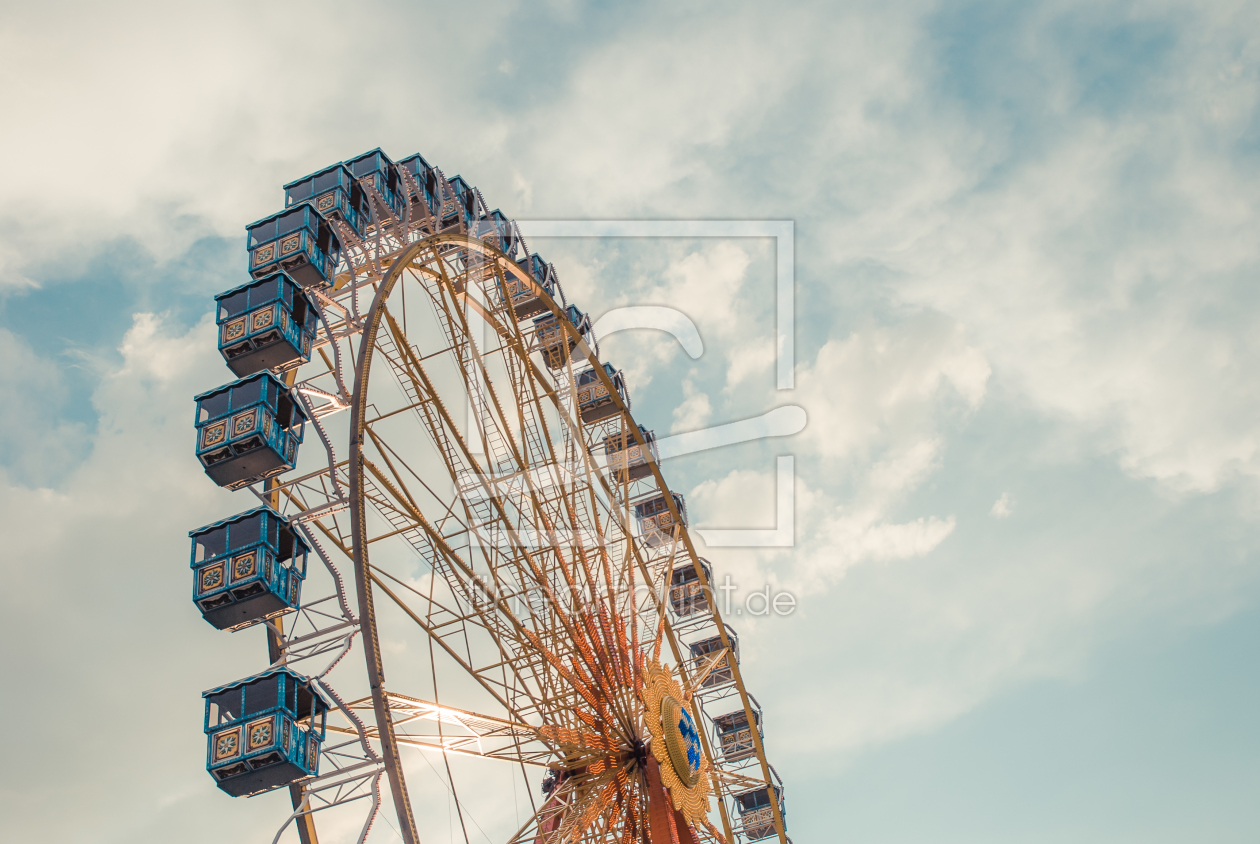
{"x":681,"y":740}
{"x":675,"y":743}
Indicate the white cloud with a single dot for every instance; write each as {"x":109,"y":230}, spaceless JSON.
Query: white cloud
{"x":694,"y":412}
{"x":1104,"y":277}
{"x":707,"y":285}
{"x":887,"y":385}
{"x":834,"y":532}
{"x":905,"y":467}
{"x":866,"y":536}
{"x":748,"y":358}
{"x":1002,"y":507}
{"x":39,"y":443}
{"x":1118,"y":347}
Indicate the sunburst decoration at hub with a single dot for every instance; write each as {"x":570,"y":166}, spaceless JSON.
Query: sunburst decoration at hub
{"x":676,"y":742}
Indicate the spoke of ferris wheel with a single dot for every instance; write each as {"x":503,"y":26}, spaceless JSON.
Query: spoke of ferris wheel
{"x":498,"y":631}
{"x":573,"y":506}
{"x":453,"y":623}
{"x":472,"y":367}
{"x":466,"y":580}
{"x":470,"y":583}
{"x":575,"y":436}
{"x":459,"y":660}
{"x":550,"y":704}
{"x":573,"y":801}
{"x":586,"y":813}
{"x":603,"y":552}
{"x":416,"y":372}
{"x":468,"y":746}
{"x":389,"y":453}
{"x":452,"y":615}
{"x":508,"y":740}
{"x":500,"y":329}
{"x":397,"y":482}
{"x":658,"y":600}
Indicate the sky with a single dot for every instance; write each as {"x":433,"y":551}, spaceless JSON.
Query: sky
{"x":1025,"y":562}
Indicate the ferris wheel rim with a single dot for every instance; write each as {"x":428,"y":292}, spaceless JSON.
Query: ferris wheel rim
{"x":363,"y":580}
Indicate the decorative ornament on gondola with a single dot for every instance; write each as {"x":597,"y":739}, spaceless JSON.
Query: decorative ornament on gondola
{"x":676,"y":743}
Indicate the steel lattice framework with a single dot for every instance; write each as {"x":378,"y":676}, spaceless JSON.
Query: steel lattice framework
{"x":451,"y":435}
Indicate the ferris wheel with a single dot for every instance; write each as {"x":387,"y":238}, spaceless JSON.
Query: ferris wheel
{"x":474,"y":580}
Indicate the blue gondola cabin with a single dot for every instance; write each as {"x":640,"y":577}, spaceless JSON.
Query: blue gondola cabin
{"x":554,"y":341}
{"x":595,"y":402}
{"x":626,"y":459}
{"x":264,"y":732}
{"x":496,"y":230}
{"x":735,"y":735}
{"x":335,"y":194}
{"x":266,"y":324}
{"x":247,"y":569}
{"x":298,"y":241}
{"x":377,"y":170}
{"x":525,"y":299}
{"x":687,"y":594}
{"x":453,"y":209}
{"x":467,"y":199}
{"x":755,"y":813}
{"x":656,"y":522}
{"x":248,"y":430}
{"x":702,"y":654}
{"x":426,"y":202}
